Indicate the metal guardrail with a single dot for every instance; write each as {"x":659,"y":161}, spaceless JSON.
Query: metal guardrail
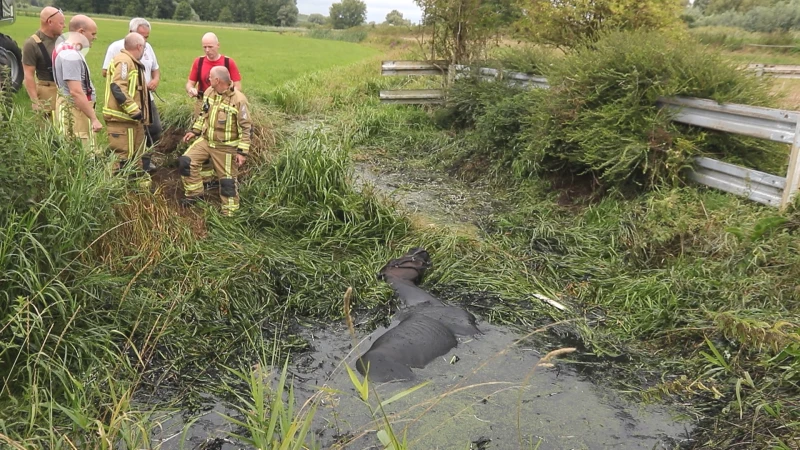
{"x":776,"y":125}
{"x":413,"y":96}
{"x":429,"y":96}
{"x":775,"y":70}
{"x":757,"y":186}
{"x":773,"y":124}
{"x":765,"y":123}
{"x":414,"y":68}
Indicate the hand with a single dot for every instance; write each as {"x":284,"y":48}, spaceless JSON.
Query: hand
{"x":240,"y":159}
{"x":96,"y":125}
{"x":36,"y":106}
{"x":188,"y":137}
{"x":152,"y":85}
{"x":192,"y":92}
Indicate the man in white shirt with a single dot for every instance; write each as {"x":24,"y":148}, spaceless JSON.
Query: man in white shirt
{"x":152,"y":74}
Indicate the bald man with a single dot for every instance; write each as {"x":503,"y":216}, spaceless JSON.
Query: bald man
{"x":37,"y":64}
{"x":74,"y":114}
{"x":198,"y":81}
{"x":224,"y":129}
{"x":127,"y":107}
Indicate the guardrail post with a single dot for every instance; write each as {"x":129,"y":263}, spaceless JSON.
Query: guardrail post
{"x":793,"y":173}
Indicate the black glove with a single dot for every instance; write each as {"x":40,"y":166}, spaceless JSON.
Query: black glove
{"x":138,"y":116}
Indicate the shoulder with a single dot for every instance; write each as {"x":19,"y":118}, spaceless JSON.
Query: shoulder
{"x":116,"y":46}
{"x":209,"y":92}
{"x":239,"y":97}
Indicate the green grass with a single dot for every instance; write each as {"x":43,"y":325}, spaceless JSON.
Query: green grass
{"x":265,"y":60}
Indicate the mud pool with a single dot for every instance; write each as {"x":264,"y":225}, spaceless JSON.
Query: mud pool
{"x":475,"y":397}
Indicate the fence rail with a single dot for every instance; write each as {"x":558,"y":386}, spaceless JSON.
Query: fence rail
{"x":776,"y":125}
{"x":775,"y":70}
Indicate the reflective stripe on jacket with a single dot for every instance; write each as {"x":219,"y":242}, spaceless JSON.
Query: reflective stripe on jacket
{"x":225,"y":120}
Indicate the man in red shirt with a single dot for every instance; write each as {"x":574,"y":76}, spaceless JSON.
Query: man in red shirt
{"x":198,"y":77}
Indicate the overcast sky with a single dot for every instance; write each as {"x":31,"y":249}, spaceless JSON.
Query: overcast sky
{"x":376,"y":9}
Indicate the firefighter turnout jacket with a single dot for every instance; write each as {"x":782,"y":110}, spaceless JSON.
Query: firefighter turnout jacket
{"x":225,"y":120}
{"x":127,"y":99}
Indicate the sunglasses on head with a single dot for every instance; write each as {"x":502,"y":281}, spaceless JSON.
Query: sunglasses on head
{"x":54,"y":14}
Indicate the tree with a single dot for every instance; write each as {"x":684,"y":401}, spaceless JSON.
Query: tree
{"x":287,"y":14}
{"x":460,"y":29}
{"x":318,"y":19}
{"x":183,"y":11}
{"x":395,"y":18}
{"x":348,"y":13}
{"x":225,"y":15}
{"x":567,"y":23}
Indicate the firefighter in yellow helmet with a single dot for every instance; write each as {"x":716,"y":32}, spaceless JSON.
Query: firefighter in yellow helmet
{"x":127,"y":104}
{"x":224,"y":129}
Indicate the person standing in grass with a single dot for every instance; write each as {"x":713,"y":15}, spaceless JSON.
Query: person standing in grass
{"x":152,"y":73}
{"x":37,"y":61}
{"x":198,"y":82}
{"x":126,"y":110}
{"x":224,"y":129}
{"x":74,"y":114}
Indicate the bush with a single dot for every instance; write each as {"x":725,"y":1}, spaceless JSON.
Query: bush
{"x":600,"y":116}
{"x":346,"y":35}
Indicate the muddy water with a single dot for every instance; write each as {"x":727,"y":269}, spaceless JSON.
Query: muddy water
{"x":488,"y":392}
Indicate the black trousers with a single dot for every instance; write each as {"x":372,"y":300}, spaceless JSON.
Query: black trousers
{"x":154,"y":130}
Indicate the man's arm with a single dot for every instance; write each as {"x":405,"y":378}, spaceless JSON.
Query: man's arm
{"x":124,"y":88}
{"x":155,"y":78}
{"x":237,"y":85}
{"x":107,"y":61}
{"x":30,"y":84}
{"x":29,"y":55}
{"x":245,"y":131}
{"x":82,"y":103}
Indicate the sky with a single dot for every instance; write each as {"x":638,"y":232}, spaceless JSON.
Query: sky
{"x":376,"y":9}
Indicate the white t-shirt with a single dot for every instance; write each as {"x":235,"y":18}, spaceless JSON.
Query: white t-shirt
{"x":148,"y":60}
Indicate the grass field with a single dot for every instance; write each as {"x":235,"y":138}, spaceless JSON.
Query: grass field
{"x":264,"y":59}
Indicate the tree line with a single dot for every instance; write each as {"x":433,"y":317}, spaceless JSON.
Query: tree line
{"x":753,"y":15}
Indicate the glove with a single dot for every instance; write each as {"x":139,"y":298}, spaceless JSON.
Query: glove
{"x":138,"y":116}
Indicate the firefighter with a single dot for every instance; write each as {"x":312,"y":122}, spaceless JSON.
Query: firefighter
{"x":126,"y":111}
{"x":224,"y":130}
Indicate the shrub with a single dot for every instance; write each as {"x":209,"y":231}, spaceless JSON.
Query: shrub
{"x":600,"y":116}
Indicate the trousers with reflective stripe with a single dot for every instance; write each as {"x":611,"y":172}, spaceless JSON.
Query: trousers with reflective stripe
{"x":223,"y":160}
{"x":71,"y":122}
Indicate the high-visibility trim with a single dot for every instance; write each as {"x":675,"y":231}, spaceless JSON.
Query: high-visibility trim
{"x":129,"y":132}
{"x":117,"y":114}
{"x":228,"y":161}
{"x":191,"y":187}
{"x":130,"y":108}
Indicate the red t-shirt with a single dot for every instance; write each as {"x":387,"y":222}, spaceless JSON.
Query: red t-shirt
{"x":207,"y":65}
